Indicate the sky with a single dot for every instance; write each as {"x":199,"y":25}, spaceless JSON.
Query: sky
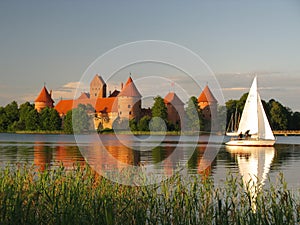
{"x":54,"y":42}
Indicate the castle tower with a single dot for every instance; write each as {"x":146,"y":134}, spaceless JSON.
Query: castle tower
{"x":208,"y":104}
{"x":43,"y":100}
{"x":175,"y":108}
{"x":129,"y":101}
{"x":97,"y":87}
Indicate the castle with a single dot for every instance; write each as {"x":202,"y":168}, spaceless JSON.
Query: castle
{"x":123,"y":104}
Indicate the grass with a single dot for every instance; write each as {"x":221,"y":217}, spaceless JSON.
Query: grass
{"x":80,"y":196}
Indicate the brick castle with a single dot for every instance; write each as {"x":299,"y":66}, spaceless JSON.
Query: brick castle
{"x":126,"y":103}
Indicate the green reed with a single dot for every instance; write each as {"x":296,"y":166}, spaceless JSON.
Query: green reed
{"x":80,"y":196}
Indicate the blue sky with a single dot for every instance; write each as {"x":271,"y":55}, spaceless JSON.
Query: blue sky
{"x":55,"y":41}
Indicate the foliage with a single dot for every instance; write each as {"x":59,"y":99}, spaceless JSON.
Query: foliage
{"x":80,"y":196}
{"x":50,"y":119}
{"x":143,"y":124}
{"x":81,"y":121}
{"x":279,"y":116}
{"x":159,"y":108}
{"x":194,"y":118}
{"x":133,"y":125}
{"x":67,"y":123}
{"x":32,"y":120}
{"x":121,"y":124}
{"x":159,"y":115}
{"x":12,"y":112}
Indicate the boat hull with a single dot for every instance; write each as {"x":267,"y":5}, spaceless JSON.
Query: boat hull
{"x":250,"y":142}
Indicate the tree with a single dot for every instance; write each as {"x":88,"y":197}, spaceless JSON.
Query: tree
{"x":194,"y":118}
{"x":81,"y":121}
{"x":159,"y":114}
{"x":221,"y":118}
{"x":295,"y":121}
{"x":24,"y":110}
{"x":3,"y":120}
{"x":278,"y":115}
{"x":32,"y":120}
{"x":133,"y":125}
{"x":50,"y":119}
{"x":143,"y":124}
{"x":12,"y":112}
{"x":67,"y":123}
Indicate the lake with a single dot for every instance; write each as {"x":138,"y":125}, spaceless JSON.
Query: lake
{"x":202,"y":155}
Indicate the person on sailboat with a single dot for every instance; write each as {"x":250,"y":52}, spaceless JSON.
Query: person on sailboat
{"x":247,"y":135}
{"x":240,"y":137}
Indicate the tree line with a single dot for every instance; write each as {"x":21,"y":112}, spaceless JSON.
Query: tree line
{"x":25,"y":118}
{"x":280,"y":117}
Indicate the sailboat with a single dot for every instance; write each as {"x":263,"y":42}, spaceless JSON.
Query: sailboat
{"x":254,"y":124}
{"x":233,"y":124}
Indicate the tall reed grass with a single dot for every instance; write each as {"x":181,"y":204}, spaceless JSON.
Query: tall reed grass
{"x":80,"y":196}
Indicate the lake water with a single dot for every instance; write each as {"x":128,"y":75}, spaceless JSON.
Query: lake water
{"x":164,"y":154}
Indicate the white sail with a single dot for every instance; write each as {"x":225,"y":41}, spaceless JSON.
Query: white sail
{"x":255,"y":120}
{"x":249,"y":119}
{"x":264,"y":129}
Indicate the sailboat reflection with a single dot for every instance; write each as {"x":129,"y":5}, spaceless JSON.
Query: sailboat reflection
{"x":254,"y":165}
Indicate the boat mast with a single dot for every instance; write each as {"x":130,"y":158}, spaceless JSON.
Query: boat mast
{"x":257,"y":103}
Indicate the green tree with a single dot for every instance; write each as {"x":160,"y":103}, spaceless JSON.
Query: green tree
{"x":159,"y":114}
{"x":194,"y":118}
{"x":50,"y":119}
{"x":133,"y":125}
{"x":12,"y":112}
{"x":81,"y":121}
{"x":294,"y":123}
{"x":241,"y":102}
{"x":32,"y":120}
{"x":278,"y":115}
{"x":67,"y":123}
{"x":4,"y":121}
{"x":24,"y":110}
{"x":9,"y":115}
{"x":221,"y":118}
{"x":143,"y":124}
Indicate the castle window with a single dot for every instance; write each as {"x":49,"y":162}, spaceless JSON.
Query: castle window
{"x":129,"y":106}
{"x":120,"y":113}
{"x":129,"y":112}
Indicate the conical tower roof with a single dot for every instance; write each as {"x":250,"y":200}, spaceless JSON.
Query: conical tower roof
{"x":207,"y":96}
{"x":130,"y":90}
{"x":44,"y":96}
{"x":172,"y":98}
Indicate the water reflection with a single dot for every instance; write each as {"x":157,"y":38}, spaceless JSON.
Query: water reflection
{"x":42,"y":157}
{"x":45,"y":156}
{"x":254,"y":165}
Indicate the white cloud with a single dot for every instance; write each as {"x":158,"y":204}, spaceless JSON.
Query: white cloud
{"x":66,"y":91}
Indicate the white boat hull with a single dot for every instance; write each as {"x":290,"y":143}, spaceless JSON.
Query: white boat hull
{"x":232,"y":134}
{"x":250,"y":142}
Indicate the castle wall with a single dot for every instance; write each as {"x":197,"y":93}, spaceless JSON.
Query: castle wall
{"x":129,"y":107}
{"x":39,"y":106}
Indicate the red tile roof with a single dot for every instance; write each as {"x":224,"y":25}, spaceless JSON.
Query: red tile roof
{"x":44,"y":96}
{"x":206,"y":96}
{"x":130,"y":90}
{"x":100,"y":104}
{"x":172,"y":98}
{"x":63,"y":106}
